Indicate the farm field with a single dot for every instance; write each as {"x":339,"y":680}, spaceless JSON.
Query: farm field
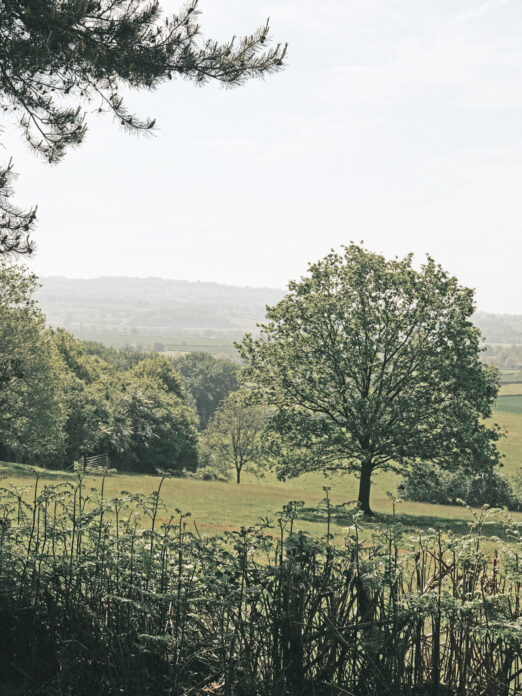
{"x":512,"y":389}
{"x":511,"y":376}
{"x":510,"y":398}
{"x":225,"y":506}
{"x":511,"y":404}
{"x":216,"y":345}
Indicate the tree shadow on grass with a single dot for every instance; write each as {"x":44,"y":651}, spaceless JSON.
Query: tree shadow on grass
{"x":343,"y":516}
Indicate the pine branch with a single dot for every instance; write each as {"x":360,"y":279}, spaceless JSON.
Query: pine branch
{"x":56,"y":58}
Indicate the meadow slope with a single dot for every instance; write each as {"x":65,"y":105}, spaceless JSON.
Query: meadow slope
{"x":219,"y":506}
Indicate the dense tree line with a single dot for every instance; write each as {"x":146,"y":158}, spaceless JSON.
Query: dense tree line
{"x":208,"y":380}
{"x":120,"y":358}
{"x":62,"y":399}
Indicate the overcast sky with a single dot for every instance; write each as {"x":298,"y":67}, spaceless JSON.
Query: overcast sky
{"x":397,"y":122}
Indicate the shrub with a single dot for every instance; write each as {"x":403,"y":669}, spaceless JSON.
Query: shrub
{"x":431,"y":484}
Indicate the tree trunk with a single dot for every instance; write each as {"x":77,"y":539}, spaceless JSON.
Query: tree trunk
{"x":364,"y":487}
{"x":238,"y":475}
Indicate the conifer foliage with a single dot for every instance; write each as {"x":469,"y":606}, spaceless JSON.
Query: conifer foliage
{"x":60,"y":58}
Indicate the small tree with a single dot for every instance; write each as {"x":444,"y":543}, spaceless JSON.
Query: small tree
{"x":57,"y":58}
{"x":374,"y":365}
{"x":233,"y":437}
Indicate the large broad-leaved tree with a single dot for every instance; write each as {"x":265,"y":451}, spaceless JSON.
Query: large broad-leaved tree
{"x":60,"y":59}
{"x":373,"y":365}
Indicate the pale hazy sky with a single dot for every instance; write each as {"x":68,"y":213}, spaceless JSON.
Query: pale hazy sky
{"x":396,"y":121}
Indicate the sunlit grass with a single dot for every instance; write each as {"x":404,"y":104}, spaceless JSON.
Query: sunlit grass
{"x":218,"y":506}
{"x":511,"y":389}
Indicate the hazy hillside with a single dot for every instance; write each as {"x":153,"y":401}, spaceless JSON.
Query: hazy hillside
{"x":500,"y":328}
{"x":149,"y":312}
{"x":120,"y":305}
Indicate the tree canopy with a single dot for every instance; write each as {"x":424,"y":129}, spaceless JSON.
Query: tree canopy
{"x":208,"y":381}
{"x":372,"y":365}
{"x":59,"y":403}
{"x":60,"y":58}
{"x":139,"y":416}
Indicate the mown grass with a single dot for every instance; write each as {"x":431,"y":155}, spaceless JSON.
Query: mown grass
{"x":218,"y":506}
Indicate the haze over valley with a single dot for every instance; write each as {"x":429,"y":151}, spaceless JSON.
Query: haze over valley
{"x":162,"y":314}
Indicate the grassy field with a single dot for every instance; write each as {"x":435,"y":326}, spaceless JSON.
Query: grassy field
{"x":513,"y":389}
{"x":220,"y":506}
{"x":510,"y":403}
{"x":510,"y":399}
{"x":510,"y":376}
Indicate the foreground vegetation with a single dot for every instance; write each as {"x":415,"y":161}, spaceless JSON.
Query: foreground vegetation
{"x":108,"y":588}
{"x":101,"y":596}
{"x":219,"y":505}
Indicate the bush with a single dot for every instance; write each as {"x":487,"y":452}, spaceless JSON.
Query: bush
{"x":431,"y":484}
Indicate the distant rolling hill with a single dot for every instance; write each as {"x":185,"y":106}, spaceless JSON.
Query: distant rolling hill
{"x":152,"y":306}
{"x":504,"y":329}
{"x":153,"y":311}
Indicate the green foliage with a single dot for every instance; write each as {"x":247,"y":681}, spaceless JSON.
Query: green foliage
{"x":233,"y":438}
{"x":58,"y":58}
{"x":60,"y":402}
{"x":87,"y":384}
{"x":374,"y":365}
{"x":122,"y":359}
{"x":160,"y":371}
{"x":430,"y":484}
{"x":156,"y":427}
{"x":31,"y":414}
{"x":139,"y":417}
{"x":207,"y":381}
{"x":117,"y":595}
